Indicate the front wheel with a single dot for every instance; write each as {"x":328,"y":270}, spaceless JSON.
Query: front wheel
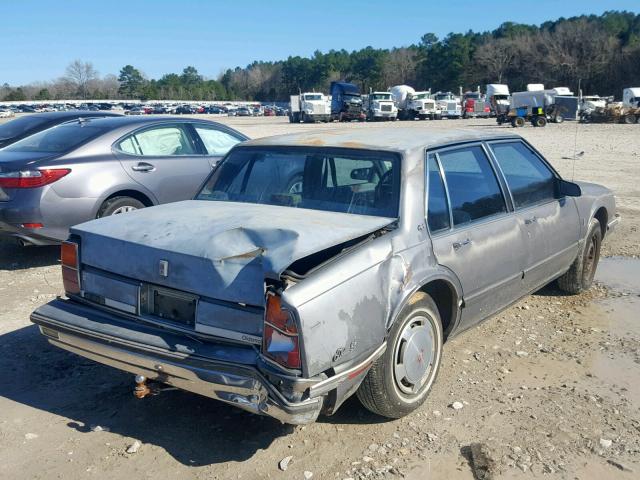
{"x":580,"y":275}
{"x":400,"y":380}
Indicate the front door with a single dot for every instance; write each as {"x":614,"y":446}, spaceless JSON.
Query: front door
{"x":165,"y":160}
{"x":473,"y":234}
{"x":550,"y":224}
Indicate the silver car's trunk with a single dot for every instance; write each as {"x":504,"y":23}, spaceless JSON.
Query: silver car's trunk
{"x":219,"y":252}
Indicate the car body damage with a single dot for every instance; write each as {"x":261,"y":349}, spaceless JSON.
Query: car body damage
{"x":224,"y":252}
{"x":290,"y":301}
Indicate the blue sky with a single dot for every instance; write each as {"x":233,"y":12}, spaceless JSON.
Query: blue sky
{"x":39,"y":38}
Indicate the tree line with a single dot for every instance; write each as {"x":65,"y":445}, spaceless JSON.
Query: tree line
{"x":599,"y":54}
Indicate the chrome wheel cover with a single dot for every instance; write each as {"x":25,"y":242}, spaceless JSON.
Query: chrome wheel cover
{"x":124,"y":209}
{"x":414,"y":355}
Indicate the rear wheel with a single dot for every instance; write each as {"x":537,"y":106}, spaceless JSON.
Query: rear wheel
{"x":118,"y":205}
{"x":400,"y":380}
{"x":518,"y":122}
{"x":629,"y":119}
{"x":559,"y":118}
{"x":580,"y":275}
{"x":539,"y":121}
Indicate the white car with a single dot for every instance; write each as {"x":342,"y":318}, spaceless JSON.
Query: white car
{"x":6,"y":113}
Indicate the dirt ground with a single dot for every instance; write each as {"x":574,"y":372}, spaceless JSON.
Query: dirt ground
{"x":550,"y":388}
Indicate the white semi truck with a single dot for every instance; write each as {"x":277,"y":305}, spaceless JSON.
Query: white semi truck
{"x":412,"y":104}
{"x":379,"y":106}
{"x":498,"y":97}
{"x":448,"y":104}
{"x":309,"y":107}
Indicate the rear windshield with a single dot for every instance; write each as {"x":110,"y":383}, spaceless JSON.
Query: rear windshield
{"x":19,"y":126}
{"x":335,"y":180}
{"x":61,"y":138}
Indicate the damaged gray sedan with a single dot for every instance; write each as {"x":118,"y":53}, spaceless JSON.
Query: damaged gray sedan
{"x":285,"y":303}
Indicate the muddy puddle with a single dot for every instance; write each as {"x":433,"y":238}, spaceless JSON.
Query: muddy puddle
{"x":620,"y":273}
{"x":620,"y":315}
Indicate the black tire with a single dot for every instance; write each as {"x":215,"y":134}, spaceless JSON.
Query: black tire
{"x":637,"y":118}
{"x":629,"y":119}
{"x":380,"y":391}
{"x":580,"y":275}
{"x":117,"y":205}
{"x":559,"y":118}
{"x":517,"y":122}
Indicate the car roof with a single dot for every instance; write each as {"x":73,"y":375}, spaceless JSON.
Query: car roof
{"x":379,"y":138}
{"x":125,"y":120}
{"x":75,"y":114}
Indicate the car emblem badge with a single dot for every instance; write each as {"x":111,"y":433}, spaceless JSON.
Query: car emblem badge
{"x":164,"y":268}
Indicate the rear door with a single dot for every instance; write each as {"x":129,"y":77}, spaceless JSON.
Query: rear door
{"x":550,"y":224}
{"x":215,"y":141}
{"x":165,"y":159}
{"x":473,"y":233}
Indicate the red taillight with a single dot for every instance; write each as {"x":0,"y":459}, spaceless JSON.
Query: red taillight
{"x":70,"y":267}
{"x":280,"y":336}
{"x":32,"y":178}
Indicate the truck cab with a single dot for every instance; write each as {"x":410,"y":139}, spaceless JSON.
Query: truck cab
{"x":421,"y":105}
{"x":379,"y":106}
{"x":346,"y":102}
{"x":309,"y":107}
{"x":448,"y":104}
{"x":474,"y":105}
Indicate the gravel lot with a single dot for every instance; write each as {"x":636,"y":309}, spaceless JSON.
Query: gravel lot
{"x":550,"y":388}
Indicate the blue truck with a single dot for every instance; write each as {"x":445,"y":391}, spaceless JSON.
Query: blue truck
{"x":346,"y":102}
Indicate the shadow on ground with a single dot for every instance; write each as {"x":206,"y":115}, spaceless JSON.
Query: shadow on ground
{"x":193,"y":429}
{"x":16,"y":257}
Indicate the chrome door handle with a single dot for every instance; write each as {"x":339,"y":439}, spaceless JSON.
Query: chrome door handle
{"x":459,"y":245}
{"x":143,"y":167}
{"x":529,"y":221}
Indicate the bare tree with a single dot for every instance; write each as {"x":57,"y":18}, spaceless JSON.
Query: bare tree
{"x":494,"y":57}
{"x":80,"y":74}
{"x":400,"y":66}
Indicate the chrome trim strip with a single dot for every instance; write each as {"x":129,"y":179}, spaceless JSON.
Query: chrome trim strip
{"x":329,"y":384}
{"x":224,"y":333}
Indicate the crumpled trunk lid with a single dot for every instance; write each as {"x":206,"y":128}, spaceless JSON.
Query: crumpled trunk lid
{"x":220,"y":250}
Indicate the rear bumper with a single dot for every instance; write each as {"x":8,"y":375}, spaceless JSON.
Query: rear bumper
{"x":223,"y":372}
{"x":27,"y":236}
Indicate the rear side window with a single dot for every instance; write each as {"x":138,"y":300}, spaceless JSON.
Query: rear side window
{"x":474,"y":191}
{"x":216,"y":141}
{"x":169,"y":140}
{"x":529,"y":179}
{"x":437,"y":206}
{"x":59,"y":139}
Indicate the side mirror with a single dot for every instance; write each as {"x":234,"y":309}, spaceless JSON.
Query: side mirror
{"x":569,"y":189}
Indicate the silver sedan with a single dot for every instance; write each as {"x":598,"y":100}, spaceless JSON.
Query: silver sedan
{"x":92,"y":168}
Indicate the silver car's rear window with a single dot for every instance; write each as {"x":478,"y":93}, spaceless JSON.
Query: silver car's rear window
{"x":59,"y":139}
{"x":337,"y":180}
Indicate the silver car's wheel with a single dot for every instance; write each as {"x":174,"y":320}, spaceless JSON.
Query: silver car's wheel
{"x":295,"y":185}
{"x":119,"y":205}
{"x":400,"y":380}
{"x":124,"y":209}
{"x":413,"y":356}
